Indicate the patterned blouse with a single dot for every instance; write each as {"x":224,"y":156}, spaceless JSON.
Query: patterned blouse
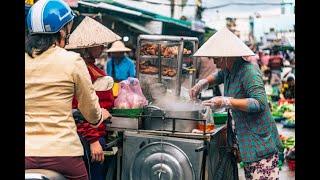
{"x":257,"y":133}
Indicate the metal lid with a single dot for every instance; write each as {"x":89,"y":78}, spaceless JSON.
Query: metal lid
{"x":161,"y":160}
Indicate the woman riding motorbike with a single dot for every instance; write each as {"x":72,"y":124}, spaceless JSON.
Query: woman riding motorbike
{"x":52,"y":77}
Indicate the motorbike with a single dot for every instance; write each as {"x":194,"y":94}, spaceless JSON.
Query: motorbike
{"x":42,"y":174}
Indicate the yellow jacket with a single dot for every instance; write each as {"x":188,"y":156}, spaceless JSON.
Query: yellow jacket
{"x":51,"y":81}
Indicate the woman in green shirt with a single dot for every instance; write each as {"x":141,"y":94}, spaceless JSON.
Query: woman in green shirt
{"x":251,"y":128}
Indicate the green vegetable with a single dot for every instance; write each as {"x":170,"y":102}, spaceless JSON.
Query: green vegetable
{"x":278,"y":111}
{"x":277,"y":114}
{"x":288,"y":143}
{"x":286,"y":107}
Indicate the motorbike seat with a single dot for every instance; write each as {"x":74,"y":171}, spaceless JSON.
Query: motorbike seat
{"x":42,"y":174}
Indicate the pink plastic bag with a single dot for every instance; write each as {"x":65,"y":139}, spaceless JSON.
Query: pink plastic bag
{"x":130,"y":95}
{"x":121,"y":102}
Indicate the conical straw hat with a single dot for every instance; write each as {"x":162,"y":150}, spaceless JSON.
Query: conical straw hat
{"x":118,"y":46}
{"x":224,"y":44}
{"x":91,"y":33}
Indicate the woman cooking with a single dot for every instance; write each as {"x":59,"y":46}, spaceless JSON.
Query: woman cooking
{"x":89,"y":42}
{"x":251,"y":129}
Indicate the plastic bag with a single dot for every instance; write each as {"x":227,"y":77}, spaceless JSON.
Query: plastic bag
{"x":130,"y":95}
{"x":121,"y":102}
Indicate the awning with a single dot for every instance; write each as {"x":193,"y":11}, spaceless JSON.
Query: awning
{"x":135,"y":25}
{"x":126,"y":21}
{"x":111,"y":7}
{"x":119,"y":7}
{"x":186,"y":24}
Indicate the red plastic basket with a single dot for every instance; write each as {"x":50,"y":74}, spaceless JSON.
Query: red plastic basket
{"x":292,"y":165}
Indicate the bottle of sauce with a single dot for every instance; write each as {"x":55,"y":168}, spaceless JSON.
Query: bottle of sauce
{"x":207,"y":115}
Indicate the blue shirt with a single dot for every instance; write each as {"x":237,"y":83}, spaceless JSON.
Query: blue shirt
{"x":123,"y":70}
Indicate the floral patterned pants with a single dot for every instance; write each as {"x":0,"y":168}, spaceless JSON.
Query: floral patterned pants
{"x":265,"y":169}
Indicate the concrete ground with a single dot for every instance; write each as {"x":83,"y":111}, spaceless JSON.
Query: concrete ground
{"x":285,"y":173}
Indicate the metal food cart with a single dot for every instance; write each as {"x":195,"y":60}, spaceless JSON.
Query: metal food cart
{"x":167,"y":153}
{"x":206,"y":155}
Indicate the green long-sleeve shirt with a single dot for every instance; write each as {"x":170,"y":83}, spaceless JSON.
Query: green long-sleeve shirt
{"x":256,"y":130}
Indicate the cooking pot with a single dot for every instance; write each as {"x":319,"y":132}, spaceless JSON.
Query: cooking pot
{"x":182,"y":111}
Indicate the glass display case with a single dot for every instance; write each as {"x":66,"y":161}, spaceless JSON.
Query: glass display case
{"x":168,"y":59}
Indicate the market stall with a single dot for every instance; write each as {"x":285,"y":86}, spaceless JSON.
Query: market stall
{"x":170,"y":137}
{"x":282,"y":104}
{"x":284,"y":113}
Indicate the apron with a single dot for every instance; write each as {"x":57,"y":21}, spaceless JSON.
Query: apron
{"x":232,"y":143}
{"x":227,"y":165}
{"x":232,"y":136}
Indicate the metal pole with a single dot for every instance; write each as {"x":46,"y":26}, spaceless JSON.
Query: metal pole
{"x":173,"y":125}
{"x":119,"y":163}
{"x":179,"y":72}
{"x":138,"y":58}
{"x":159,"y":63}
{"x":204,"y":160}
{"x":195,"y":62}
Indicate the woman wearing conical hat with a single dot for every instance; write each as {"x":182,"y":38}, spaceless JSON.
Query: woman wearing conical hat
{"x":119,"y":66}
{"x":251,"y":128}
{"x":89,"y":39}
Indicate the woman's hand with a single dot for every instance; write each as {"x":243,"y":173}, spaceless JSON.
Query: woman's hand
{"x":195,"y":90}
{"x":246,"y":104}
{"x":105,"y":114}
{"x":96,"y":152}
{"x":218,"y":102}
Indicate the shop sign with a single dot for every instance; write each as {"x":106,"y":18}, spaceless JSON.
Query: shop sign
{"x":72,"y":3}
{"x":154,"y":26}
